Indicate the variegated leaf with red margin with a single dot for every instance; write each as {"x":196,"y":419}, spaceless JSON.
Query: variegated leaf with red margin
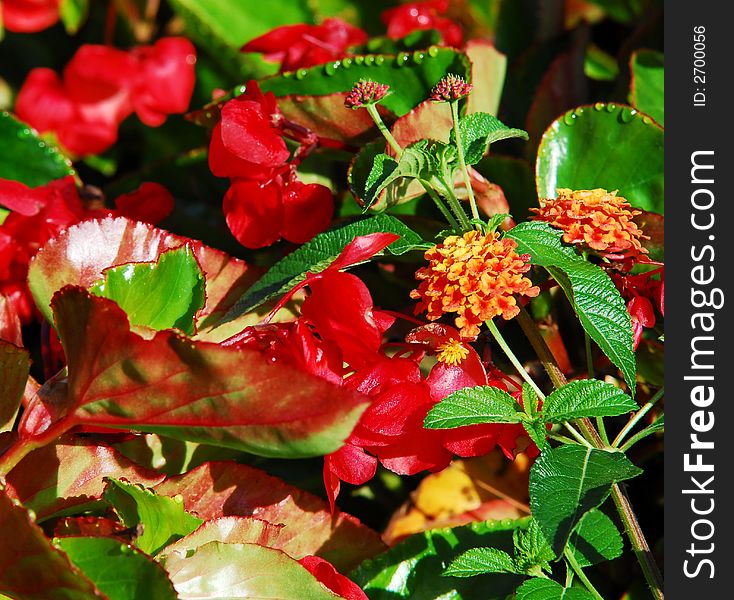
{"x":186,"y":389}
{"x":30,"y":567}
{"x":67,"y":477}
{"x":80,"y":254}
{"x":488,"y":66}
{"x":14,"y":367}
{"x":221,"y":489}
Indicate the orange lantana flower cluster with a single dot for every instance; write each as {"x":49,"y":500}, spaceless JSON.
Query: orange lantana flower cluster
{"x":475,"y":275}
{"x":594,"y":219}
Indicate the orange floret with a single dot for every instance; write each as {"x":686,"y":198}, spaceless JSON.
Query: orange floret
{"x":475,"y":276}
{"x":594,"y":219}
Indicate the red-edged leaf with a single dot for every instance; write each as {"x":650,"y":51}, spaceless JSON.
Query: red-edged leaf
{"x":90,"y":527}
{"x":80,"y":254}
{"x":219,"y":489}
{"x":429,"y":120}
{"x":68,"y":476}
{"x":30,"y":567}
{"x":14,"y":367}
{"x":190,"y":390}
{"x":9,"y":322}
{"x":488,"y":67}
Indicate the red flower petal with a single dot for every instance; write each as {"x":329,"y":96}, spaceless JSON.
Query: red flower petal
{"x":20,"y":198}
{"x":247,"y":133}
{"x":150,"y":203}
{"x":42,"y":101}
{"x":307,"y":210}
{"x":253,"y":212}
{"x":325,"y":572}
{"x":29,"y":16}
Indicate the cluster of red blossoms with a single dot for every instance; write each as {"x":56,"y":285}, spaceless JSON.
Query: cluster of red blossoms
{"x":643,"y":293}
{"x":339,"y":337}
{"x":101,"y":86}
{"x":266,"y":200}
{"x":38,"y":214}
{"x":300,"y":46}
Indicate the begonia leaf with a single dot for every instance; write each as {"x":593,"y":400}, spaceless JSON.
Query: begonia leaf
{"x":595,"y":539}
{"x":586,"y":398}
{"x":163,"y":518}
{"x":25,"y":157}
{"x":67,"y":477}
{"x":412,"y":568}
{"x":30,"y":567}
{"x":488,"y":67}
{"x":647,"y":87}
{"x":567,"y":482}
{"x":189,"y":390}
{"x":164,"y":294}
{"x":593,"y":296}
{"x":118,"y":570}
{"x":225,"y":489}
{"x":547,"y":589}
{"x":246,"y":571}
{"x":80,"y":254}
{"x":473,"y":406}
{"x":14,"y":368}
{"x":317,"y":254}
{"x":610,"y":146}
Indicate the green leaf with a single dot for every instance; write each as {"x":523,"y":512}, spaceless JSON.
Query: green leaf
{"x":547,"y":589}
{"x":411,"y":76}
{"x":14,"y":368}
{"x":532,"y":551}
{"x":73,"y":14}
{"x":118,"y":570}
{"x":412,"y":568}
{"x":478,"y":131}
{"x":537,"y":431}
{"x":567,"y":482}
{"x":593,"y":296}
{"x":586,"y":398}
{"x":165,"y":294}
{"x":217,"y":570}
{"x":609,"y":146}
{"x":595,"y":539}
{"x":479,"y":561}
{"x":530,"y":400}
{"x":473,"y":406}
{"x":647,"y":87}
{"x":26,"y":158}
{"x":30,"y":567}
{"x":163,"y":519}
{"x":317,"y":254}
{"x":600,"y":65}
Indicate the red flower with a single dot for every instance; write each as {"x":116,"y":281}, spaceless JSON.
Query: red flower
{"x":29,"y":16}
{"x":417,"y":16}
{"x":325,"y":572}
{"x":38,"y":214}
{"x":302,"y":45}
{"x":102,"y":86}
{"x":642,"y":292}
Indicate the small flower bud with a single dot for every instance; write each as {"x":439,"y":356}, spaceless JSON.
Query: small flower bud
{"x":450,"y":88}
{"x":364,"y":93}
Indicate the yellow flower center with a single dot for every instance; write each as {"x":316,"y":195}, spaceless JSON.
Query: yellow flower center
{"x":452,"y":352}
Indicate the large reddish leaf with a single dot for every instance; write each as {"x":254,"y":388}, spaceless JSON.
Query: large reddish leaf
{"x":488,"y":66}
{"x":80,"y":254}
{"x":14,"y":367}
{"x":68,"y":476}
{"x":191,"y":390}
{"x":30,"y":567}
{"x":219,"y":489}
{"x":9,"y":322}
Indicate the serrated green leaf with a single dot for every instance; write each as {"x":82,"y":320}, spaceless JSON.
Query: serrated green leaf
{"x":163,"y":519}
{"x":314,"y":256}
{"x":586,"y":398}
{"x":567,"y":482}
{"x":73,"y":14}
{"x":479,"y":561}
{"x":647,"y":87}
{"x":416,"y":162}
{"x":165,"y":294}
{"x":595,"y":539}
{"x":537,"y":431}
{"x":473,"y":406}
{"x":117,"y":570}
{"x":412,"y":568}
{"x":532,"y":550}
{"x":609,"y":146}
{"x":530,"y":400}
{"x":410,"y":80}
{"x":244,"y":571}
{"x":25,"y":157}
{"x":547,"y":589}
{"x":593,"y":296}
{"x":478,"y":131}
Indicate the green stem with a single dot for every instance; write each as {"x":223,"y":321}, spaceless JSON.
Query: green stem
{"x":582,"y":440}
{"x":462,"y":161}
{"x":372,"y":110}
{"x":637,"y":437}
{"x":441,"y":206}
{"x":621,"y":500}
{"x":571,"y":560}
{"x":455,"y":205}
{"x":513,"y":359}
{"x":563,"y":439}
{"x":637,"y":416}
